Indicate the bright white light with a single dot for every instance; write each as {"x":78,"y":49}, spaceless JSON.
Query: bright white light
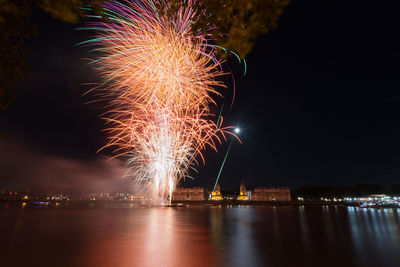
{"x":237,"y":130}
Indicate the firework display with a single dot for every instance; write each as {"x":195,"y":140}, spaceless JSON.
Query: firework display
{"x":160,"y":81}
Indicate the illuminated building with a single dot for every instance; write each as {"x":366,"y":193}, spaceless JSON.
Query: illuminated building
{"x":216,"y":194}
{"x":188,"y":194}
{"x":271,"y":194}
{"x":243,"y":194}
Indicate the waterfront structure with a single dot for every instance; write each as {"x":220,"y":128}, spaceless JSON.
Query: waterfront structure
{"x":271,"y":194}
{"x":216,"y":194}
{"x":188,"y":194}
{"x":377,"y":200}
{"x":243,"y":194}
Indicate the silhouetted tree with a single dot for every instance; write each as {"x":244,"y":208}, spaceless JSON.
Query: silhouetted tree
{"x":367,"y":189}
{"x":233,"y":24}
{"x":396,"y":189}
{"x":317,"y":192}
{"x":13,"y":65}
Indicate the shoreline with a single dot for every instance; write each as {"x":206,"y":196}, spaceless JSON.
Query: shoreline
{"x":205,"y":203}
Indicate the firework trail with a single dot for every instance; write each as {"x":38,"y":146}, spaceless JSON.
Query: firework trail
{"x":159,"y":78}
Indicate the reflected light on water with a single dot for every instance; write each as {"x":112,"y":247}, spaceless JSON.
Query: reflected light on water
{"x":156,"y":237}
{"x":200,"y":236}
{"x":241,"y":245}
{"x":375,"y":235}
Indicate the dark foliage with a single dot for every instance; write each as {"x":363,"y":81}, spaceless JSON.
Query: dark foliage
{"x":237,"y":24}
{"x":313,"y":192}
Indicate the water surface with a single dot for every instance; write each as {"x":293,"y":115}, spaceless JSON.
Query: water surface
{"x":200,"y":236}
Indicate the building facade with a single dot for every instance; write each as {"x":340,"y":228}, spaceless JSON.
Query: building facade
{"x":216,"y":194}
{"x":271,"y":194}
{"x":188,"y":194}
{"x":243,"y":193}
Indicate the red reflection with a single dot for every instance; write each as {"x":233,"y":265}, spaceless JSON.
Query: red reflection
{"x":150,"y":237}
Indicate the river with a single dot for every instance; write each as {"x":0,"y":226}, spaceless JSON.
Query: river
{"x":200,"y":236}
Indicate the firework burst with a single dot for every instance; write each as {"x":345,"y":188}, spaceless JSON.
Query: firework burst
{"x":159,"y":78}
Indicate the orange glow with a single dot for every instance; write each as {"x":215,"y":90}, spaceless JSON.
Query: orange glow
{"x":159,"y":81}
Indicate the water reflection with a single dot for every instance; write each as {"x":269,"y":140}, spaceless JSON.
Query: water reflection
{"x":241,"y":247}
{"x":375,"y":235}
{"x":305,"y":234}
{"x":201,"y":236}
{"x":154,"y":237}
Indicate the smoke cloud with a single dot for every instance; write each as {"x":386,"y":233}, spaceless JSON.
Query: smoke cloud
{"x":23,"y":168}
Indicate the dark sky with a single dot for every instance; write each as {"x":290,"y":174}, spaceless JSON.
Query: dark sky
{"x":319,"y":104}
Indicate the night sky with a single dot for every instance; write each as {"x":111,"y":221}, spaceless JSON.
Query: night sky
{"x":319,"y":104}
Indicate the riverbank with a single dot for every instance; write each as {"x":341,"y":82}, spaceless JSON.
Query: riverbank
{"x":136,"y":203}
{"x":131,"y":204}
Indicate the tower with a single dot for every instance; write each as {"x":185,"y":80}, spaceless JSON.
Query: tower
{"x":242,"y":193}
{"x":216,"y":194}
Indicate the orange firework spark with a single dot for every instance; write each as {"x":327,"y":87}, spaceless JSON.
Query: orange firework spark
{"x":159,"y":78}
